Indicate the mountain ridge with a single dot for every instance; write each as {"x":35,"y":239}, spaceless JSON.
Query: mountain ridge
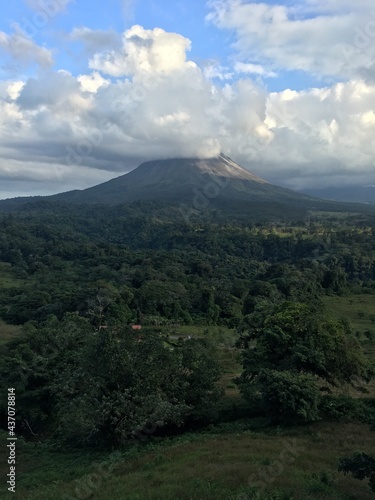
{"x":349,"y":194}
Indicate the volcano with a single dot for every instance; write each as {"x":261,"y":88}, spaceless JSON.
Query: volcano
{"x":185,"y":180}
{"x":218,"y":183}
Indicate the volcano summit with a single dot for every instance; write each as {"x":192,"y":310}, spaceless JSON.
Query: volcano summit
{"x":218,"y":183}
{"x":184,"y":180}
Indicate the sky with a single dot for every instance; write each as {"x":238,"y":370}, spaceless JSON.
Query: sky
{"x":91,"y":89}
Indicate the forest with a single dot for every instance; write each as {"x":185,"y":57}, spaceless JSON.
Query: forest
{"x":127,"y":331}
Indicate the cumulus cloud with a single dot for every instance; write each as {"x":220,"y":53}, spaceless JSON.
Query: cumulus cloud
{"x":24,"y":50}
{"x":324,"y":135}
{"x":331,"y":38}
{"x":146,"y":100}
{"x":93,"y":82}
{"x":96,"y":40}
{"x":57,"y":92}
{"x":151,"y":51}
{"x":212,"y":69}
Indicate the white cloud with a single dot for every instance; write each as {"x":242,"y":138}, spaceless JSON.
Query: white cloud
{"x":331,"y":38}
{"x":57,"y":92}
{"x":214,"y":70}
{"x":322,"y":134}
{"x":96,"y":40}
{"x":253,"y":69}
{"x":180,"y":118}
{"x":67,"y":131}
{"x":51,"y":7}
{"x":151,"y":51}
{"x":93,"y":82}
{"x":14,"y":89}
{"x":128,"y":7}
{"x":24,"y":50}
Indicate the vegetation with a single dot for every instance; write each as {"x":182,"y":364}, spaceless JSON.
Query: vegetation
{"x":248,"y":330}
{"x":141,"y":381}
{"x":362,"y":466}
{"x":290,"y":352}
{"x":236,"y":461}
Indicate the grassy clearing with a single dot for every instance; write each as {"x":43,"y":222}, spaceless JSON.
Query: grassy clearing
{"x":7,"y":278}
{"x":222,"y":335}
{"x":298,"y":463}
{"x":8,"y":332}
{"x":358,"y":309}
{"x":320,"y":215}
{"x":232,"y":405}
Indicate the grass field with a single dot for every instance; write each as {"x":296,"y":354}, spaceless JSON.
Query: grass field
{"x":7,"y":278}
{"x":234,"y":464}
{"x":8,"y":332}
{"x":358,"y":309}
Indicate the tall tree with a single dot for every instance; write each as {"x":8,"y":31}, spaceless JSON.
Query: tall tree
{"x":290,"y":348}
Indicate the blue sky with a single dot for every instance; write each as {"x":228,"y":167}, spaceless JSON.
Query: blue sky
{"x":186,"y":18}
{"x":285,"y":88}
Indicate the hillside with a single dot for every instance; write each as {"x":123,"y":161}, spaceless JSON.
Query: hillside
{"x":351,"y":194}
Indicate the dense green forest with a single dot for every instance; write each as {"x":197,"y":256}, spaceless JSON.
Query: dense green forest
{"x":241,"y":329}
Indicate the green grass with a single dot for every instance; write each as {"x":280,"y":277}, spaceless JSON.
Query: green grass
{"x":7,"y":278}
{"x":8,"y":332}
{"x":206,"y":466}
{"x":220,"y":334}
{"x":358,"y":309}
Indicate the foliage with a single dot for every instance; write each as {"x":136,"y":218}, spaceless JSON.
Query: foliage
{"x":288,"y":397}
{"x":288,"y":348}
{"x":112,"y":383}
{"x":345,"y":407}
{"x":361,"y":466}
{"x":214,"y":270}
{"x":77,"y":277}
{"x":31,"y":363}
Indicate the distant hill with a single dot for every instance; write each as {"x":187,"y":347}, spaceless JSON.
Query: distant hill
{"x":353,"y":194}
